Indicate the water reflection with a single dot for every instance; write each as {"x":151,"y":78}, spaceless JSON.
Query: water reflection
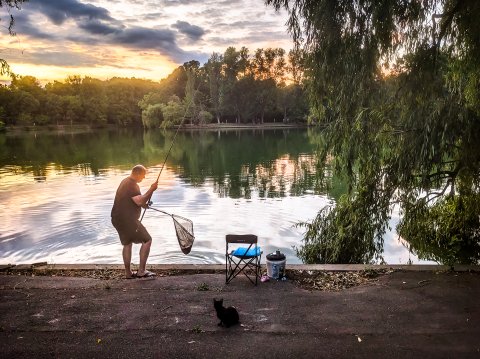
{"x":56,"y":192}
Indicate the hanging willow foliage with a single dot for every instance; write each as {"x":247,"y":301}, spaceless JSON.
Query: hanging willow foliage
{"x":9,"y":4}
{"x":396,"y":86}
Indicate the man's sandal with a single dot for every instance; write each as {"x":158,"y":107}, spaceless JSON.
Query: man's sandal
{"x":147,"y":274}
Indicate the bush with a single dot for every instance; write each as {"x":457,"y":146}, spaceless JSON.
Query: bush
{"x":25,"y":119}
{"x":173,"y":114}
{"x":152,"y":116}
{"x":42,"y":120}
{"x":204,"y":117}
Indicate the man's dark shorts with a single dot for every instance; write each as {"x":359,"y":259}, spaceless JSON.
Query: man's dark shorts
{"x":131,"y":231}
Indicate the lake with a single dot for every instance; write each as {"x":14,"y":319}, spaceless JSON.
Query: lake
{"x":57,"y":189}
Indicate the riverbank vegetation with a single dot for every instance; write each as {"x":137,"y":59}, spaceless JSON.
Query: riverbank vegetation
{"x":307,"y":279}
{"x":236,"y":87}
{"x":396,"y":85}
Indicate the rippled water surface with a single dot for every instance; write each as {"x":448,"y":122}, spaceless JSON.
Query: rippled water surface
{"x":56,"y":193}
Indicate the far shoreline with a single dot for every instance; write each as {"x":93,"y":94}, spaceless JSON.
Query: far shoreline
{"x":69,"y":129}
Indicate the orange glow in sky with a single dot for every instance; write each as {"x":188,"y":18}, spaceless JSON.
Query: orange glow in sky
{"x":105,"y":39}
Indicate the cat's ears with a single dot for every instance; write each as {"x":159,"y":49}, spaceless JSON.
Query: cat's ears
{"x":215,"y":300}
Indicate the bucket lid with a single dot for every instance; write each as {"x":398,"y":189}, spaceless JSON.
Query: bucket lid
{"x":276,"y":256}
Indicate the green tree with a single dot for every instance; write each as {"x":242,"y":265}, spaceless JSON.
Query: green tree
{"x":266,"y":94}
{"x":173,"y":84}
{"x":260,"y":67}
{"x":52,"y":110}
{"x":59,"y":88}
{"x":244,"y":99}
{"x":204,"y":117}
{"x":27,"y":99}
{"x":292,"y":102}
{"x":295,"y":65}
{"x":173,"y":112}
{"x":192,"y":69}
{"x":269,"y":64}
{"x":6,"y":101}
{"x":395,"y":84}
{"x":93,"y":99}
{"x":214,"y":77}
{"x":150,"y":98}
{"x":244,"y":64}
{"x":123,"y":97}
{"x":228,"y":97}
{"x":71,"y":109}
{"x":152,"y":116}
{"x":74,"y":84}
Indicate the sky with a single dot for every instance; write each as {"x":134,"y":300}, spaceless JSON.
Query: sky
{"x":132,"y":38}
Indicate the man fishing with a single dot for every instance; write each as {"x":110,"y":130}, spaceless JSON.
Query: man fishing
{"x":126,"y":212}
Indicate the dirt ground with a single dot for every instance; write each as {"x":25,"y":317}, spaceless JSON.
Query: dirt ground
{"x":98,"y":314}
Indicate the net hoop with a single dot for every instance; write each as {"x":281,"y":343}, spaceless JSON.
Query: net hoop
{"x":183,"y":230}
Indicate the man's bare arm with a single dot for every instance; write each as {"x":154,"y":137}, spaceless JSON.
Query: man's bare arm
{"x":142,"y":199}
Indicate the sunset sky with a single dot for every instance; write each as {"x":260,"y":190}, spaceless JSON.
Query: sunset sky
{"x":132,"y":38}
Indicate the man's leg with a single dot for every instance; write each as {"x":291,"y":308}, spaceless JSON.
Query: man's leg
{"x":127,"y":259}
{"x":144,"y":252}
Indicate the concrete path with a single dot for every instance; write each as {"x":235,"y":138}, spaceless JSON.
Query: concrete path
{"x":400,"y":315}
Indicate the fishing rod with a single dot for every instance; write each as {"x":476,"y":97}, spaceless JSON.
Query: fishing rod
{"x":183,"y":226}
{"x":169,"y":150}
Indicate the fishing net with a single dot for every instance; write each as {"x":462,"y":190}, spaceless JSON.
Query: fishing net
{"x":184,"y":231}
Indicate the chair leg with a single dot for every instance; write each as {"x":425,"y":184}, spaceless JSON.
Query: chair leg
{"x":236,"y":269}
{"x":240,"y":267}
{"x":245,"y":265}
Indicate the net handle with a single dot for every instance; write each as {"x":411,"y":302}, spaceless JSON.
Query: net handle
{"x":159,"y":210}
{"x":173,"y":217}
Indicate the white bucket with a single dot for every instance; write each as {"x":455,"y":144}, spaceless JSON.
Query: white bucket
{"x":276,"y":265}
{"x":276,"y":269}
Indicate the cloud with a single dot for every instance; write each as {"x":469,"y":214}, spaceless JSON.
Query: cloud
{"x":44,"y":56}
{"x":58,"y":11}
{"x":96,"y":27}
{"x":182,"y":2}
{"x":100,"y":27}
{"x":192,"y":31}
{"x":24,"y":26}
{"x":153,"y":16}
{"x":143,"y":38}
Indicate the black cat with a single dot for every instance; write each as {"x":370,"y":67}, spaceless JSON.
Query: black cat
{"x":228,"y":316}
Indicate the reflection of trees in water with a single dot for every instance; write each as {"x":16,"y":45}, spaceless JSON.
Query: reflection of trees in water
{"x":85,"y":153}
{"x":273,"y":163}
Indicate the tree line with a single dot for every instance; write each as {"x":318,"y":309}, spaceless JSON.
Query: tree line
{"x":235,"y":87}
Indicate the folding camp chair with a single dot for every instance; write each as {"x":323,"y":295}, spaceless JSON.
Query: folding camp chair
{"x":242,"y":259}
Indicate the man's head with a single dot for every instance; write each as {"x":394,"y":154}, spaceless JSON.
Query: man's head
{"x":138,"y":173}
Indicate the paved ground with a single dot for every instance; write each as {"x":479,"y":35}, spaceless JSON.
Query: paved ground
{"x":401,"y":315}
